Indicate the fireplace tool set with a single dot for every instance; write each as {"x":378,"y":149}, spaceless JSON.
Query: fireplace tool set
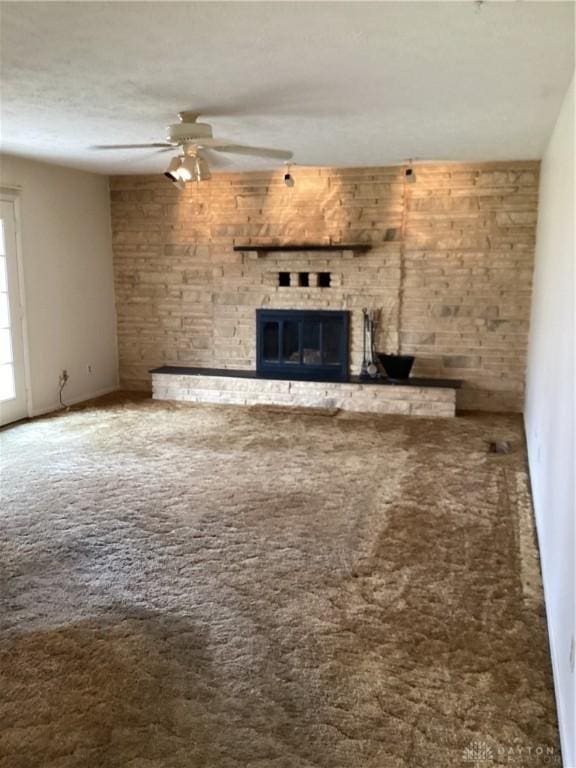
{"x":394,"y":368}
{"x":370,"y":369}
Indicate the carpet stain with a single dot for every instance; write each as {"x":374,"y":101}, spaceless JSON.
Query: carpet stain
{"x":188,"y":586}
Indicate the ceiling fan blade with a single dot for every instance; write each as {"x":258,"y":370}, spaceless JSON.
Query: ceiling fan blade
{"x":215,"y":160}
{"x":240,"y":149}
{"x":133,"y":146}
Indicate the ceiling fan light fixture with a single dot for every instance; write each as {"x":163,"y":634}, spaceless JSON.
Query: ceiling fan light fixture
{"x":202,"y":169}
{"x":172,"y":171}
{"x":187,"y":169}
{"x":190,"y":137}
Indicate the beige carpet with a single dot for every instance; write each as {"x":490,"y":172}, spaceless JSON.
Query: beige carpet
{"x":210,"y":587}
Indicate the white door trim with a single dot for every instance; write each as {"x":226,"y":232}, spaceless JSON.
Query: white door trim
{"x":12,"y":195}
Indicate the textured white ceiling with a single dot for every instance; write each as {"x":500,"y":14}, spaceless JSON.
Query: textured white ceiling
{"x":338,"y":83}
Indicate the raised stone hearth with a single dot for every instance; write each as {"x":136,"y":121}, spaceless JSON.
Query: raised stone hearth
{"x":417,"y":397}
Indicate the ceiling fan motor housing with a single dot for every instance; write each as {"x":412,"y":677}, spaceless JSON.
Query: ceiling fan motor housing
{"x":182,"y":132}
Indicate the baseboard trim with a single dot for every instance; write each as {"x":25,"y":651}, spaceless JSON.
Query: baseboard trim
{"x":566,"y":738}
{"x":567,"y":746}
{"x":74,"y":401}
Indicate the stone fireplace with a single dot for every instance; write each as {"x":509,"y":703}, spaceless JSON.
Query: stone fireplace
{"x":449,"y":264}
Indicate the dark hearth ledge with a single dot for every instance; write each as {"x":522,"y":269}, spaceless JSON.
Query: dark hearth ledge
{"x":178,"y":370}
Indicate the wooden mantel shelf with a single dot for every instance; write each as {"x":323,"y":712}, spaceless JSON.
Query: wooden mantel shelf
{"x":262,"y":249}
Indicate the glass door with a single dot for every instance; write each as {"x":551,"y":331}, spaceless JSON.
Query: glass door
{"x":302,"y":344}
{"x":13,"y":403}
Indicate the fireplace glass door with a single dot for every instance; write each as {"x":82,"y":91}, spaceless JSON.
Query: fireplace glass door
{"x":302,"y":344}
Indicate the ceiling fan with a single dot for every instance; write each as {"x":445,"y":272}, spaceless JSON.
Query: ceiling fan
{"x":191,"y":138}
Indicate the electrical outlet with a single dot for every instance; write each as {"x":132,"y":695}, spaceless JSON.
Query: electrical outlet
{"x":64,"y":377}
{"x":89,"y":369}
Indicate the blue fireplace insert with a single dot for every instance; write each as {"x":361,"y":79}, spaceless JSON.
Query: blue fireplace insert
{"x":302,"y":344}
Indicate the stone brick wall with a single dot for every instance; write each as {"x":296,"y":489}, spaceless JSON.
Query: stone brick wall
{"x":450,"y":267}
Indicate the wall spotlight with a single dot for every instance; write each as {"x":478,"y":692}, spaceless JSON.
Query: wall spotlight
{"x":288,"y":178}
{"x":409,"y":175}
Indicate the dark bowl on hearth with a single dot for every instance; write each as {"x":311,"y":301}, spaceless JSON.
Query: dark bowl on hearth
{"x":397,"y":367}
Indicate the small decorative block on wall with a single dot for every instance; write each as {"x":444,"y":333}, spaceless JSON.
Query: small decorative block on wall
{"x":304,"y":280}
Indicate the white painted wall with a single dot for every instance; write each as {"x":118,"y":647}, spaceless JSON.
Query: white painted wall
{"x":549,"y":410}
{"x":68,"y":279}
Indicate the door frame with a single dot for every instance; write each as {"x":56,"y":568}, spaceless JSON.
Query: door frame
{"x":12,"y":194}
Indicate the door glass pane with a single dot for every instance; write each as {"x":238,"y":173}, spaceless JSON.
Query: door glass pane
{"x":290,"y":342}
{"x":12,"y":392}
{"x":7,"y":388}
{"x":4,"y":311}
{"x":270,"y":342}
{"x":311,"y":343}
{"x":3,"y":276}
{"x":5,"y":346}
{"x":331,"y":333}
